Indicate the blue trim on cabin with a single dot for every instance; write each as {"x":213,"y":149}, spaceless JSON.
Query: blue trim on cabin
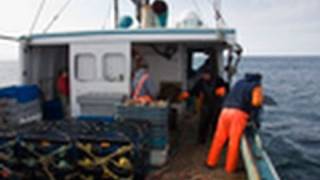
{"x":131,"y":32}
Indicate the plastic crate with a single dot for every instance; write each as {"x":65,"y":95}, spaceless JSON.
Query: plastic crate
{"x":98,"y":104}
{"x":159,"y":142}
{"x":22,"y":94}
{"x":22,"y":107}
{"x":14,"y":112}
{"x":155,"y":115}
{"x":159,"y":131}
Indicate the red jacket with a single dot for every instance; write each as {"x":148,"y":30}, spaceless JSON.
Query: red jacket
{"x":63,"y":85}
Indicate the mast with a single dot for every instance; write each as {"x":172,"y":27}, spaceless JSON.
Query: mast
{"x":116,"y":13}
{"x":220,"y":23}
{"x":139,"y":4}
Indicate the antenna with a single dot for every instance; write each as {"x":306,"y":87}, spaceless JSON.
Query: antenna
{"x":116,"y":13}
{"x":220,"y":22}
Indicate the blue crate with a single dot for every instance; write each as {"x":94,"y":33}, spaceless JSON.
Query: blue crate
{"x":22,"y":94}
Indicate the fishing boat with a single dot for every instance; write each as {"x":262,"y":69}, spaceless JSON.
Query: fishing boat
{"x":100,"y":65}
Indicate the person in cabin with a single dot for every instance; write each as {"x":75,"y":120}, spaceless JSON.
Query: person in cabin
{"x":245,"y":99}
{"x":143,"y":88}
{"x":63,"y":89}
{"x":211,"y":92}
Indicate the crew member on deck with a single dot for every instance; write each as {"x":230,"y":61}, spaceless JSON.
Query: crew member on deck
{"x":211,"y":92}
{"x":143,"y":88}
{"x":63,"y":89}
{"x":245,"y":98}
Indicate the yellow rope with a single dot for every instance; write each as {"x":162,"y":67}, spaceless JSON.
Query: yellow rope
{"x":46,"y":160}
{"x":102,"y":161}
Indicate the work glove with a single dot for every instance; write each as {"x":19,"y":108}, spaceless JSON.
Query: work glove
{"x":184,"y":96}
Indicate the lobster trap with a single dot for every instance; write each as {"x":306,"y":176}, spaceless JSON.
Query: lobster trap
{"x":8,"y":160}
{"x":103,"y":152}
{"x":74,"y":150}
{"x":45,"y":152}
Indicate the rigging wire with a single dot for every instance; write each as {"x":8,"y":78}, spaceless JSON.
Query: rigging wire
{"x":212,"y":9}
{"x":36,"y":18}
{"x":197,"y":7}
{"x":8,"y":38}
{"x":203,"y":15}
{"x":107,"y":18}
{"x":55,"y":18}
{"x":220,"y":22}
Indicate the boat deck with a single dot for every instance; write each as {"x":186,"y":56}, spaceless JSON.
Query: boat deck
{"x":187,"y":159}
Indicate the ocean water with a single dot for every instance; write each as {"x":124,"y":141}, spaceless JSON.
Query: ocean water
{"x":290,"y":130}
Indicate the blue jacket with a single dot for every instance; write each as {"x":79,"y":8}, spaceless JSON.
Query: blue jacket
{"x":240,"y":96}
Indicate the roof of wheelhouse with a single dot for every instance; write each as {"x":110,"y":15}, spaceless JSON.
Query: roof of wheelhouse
{"x":137,"y":35}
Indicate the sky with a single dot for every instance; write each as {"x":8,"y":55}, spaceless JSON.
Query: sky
{"x":264,"y":27}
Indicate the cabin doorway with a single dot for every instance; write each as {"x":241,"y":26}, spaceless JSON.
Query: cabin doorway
{"x":43,"y":66}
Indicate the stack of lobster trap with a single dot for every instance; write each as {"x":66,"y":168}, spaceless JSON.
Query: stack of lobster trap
{"x":78,"y":149}
{"x":156,"y":114}
{"x":45,"y":150}
{"x":20,"y":105}
{"x":103,"y":152}
{"x":73,"y":150}
{"x":8,"y":159}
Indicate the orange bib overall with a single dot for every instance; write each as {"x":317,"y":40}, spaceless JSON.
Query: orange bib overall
{"x":231,"y":125}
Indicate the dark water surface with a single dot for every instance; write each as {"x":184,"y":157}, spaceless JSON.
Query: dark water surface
{"x":291,"y":130}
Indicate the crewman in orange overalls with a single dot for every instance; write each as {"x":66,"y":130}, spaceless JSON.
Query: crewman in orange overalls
{"x":143,"y":88}
{"x":245,"y":98}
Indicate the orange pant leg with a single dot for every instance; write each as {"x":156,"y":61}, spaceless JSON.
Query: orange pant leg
{"x":220,"y":137}
{"x":238,"y":124}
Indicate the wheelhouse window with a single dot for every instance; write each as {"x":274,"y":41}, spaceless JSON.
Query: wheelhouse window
{"x":113,"y":67}
{"x":85,"y":67}
{"x":198,"y":60}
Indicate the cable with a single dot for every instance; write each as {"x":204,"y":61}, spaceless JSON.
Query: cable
{"x":36,"y":18}
{"x":199,"y":10}
{"x":55,"y":18}
{"x":220,"y":22}
{"x":212,"y":8}
{"x":8,"y":38}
